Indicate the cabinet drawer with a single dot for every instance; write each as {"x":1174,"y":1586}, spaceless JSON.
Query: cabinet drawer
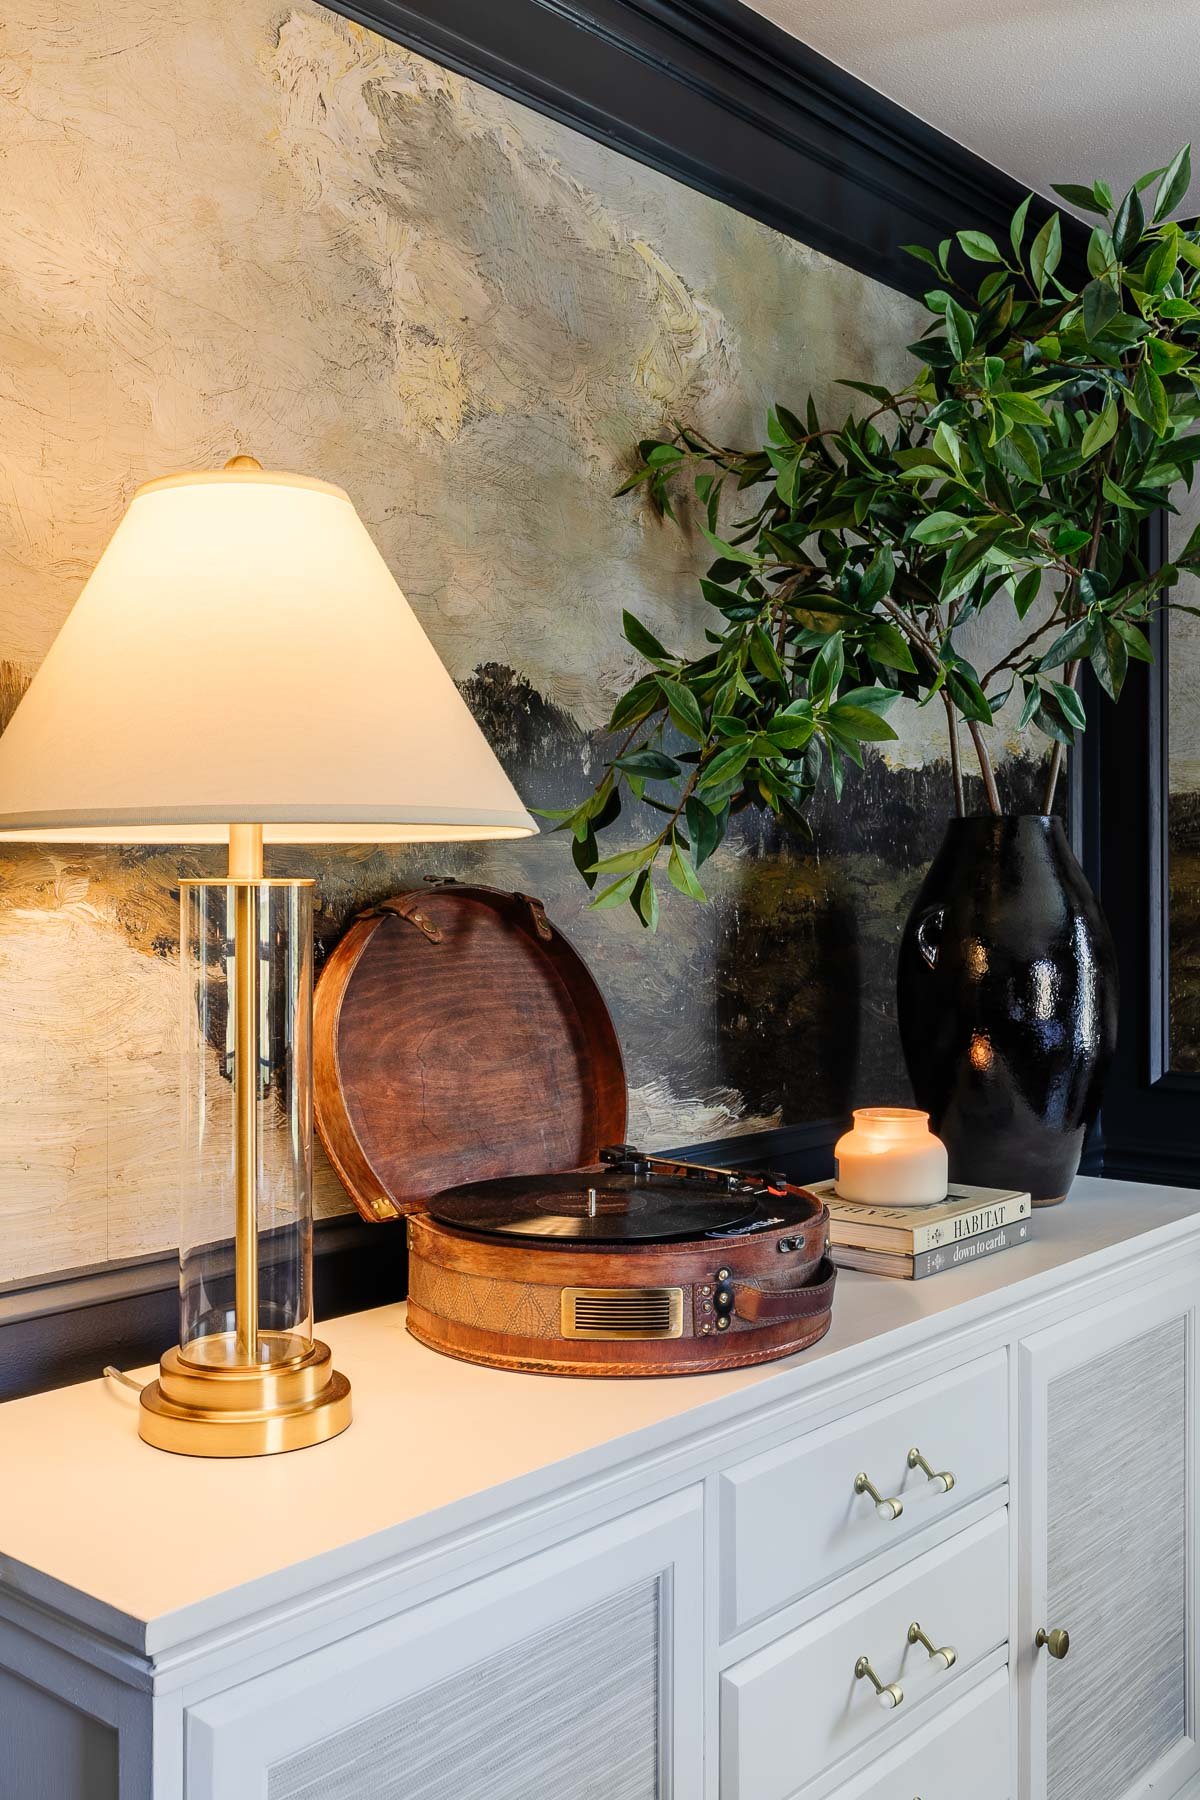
{"x":791,"y":1520}
{"x":794,"y":1708}
{"x":964,"y":1751}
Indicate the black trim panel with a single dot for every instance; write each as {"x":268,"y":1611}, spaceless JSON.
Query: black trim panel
{"x":1151,"y":1116}
{"x":729,"y":103}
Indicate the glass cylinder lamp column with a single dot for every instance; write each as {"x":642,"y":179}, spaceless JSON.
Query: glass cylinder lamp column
{"x":247,"y":1376}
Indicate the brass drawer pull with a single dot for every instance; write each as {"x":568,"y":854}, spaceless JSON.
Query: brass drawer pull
{"x":944,"y":1656}
{"x":887,"y":1506}
{"x":1056,"y":1642}
{"x":941,"y":1480}
{"x":890,"y":1506}
{"x":889,"y":1694}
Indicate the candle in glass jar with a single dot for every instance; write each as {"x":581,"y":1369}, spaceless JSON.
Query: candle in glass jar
{"x":891,"y":1158}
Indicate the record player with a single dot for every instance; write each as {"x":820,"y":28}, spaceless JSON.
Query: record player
{"x":467,"y":1075}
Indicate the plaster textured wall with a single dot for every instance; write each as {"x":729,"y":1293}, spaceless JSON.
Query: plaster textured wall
{"x":259,"y":227}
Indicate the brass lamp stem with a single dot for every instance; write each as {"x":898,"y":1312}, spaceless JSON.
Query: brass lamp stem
{"x":245,"y":869}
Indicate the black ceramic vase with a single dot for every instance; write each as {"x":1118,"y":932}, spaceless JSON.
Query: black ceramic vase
{"x":1007,"y":992}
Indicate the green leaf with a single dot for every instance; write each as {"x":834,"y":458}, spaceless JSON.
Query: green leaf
{"x":654,"y":765}
{"x":1166,"y":358}
{"x":1101,"y":431}
{"x":645,"y":900}
{"x":923,"y":255}
{"x":1020,"y":408}
{"x":1016,"y":230}
{"x":938,"y":528}
{"x":1020,"y":454}
{"x":1177,"y":178}
{"x":979,"y":247}
{"x":888,"y":646}
{"x":1026,"y":591}
{"x":871,"y":388}
{"x":1033,"y":699}
{"x":1128,"y":226}
{"x":1071,"y":704}
{"x":1046,"y":252}
{"x":860,"y":723}
{"x":625,"y":860}
{"x":613,"y":896}
{"x":705,"y":829}
{"x":1135,"y":640}
{"x":1101,"y":302}
{"x":637,"y":703}
{"x":968,"y":696}
{"x":683,"y":876}
{"x":725,"y":766}
{"x":1149,"y":400}
{"x":960,"y":330}
{"x":877,"y":699}
{"x":1079,"y":196}
{"x":1074,"y":642}
{"x":730,"y":552}
{"x":947,"y":445}
{"x":827,"y":667}
{"x":643,"y":640}
{"x":1113,"y":492}
{"x":584,"y":852}
{"x":1110,"y":661}
{"x":764,"y":658}
{"x":878,"y":576}
{"x":684,"y":709}
{"x":1100,"y":257}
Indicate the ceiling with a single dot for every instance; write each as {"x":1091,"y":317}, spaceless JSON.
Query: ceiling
{"x":1050,"y":90}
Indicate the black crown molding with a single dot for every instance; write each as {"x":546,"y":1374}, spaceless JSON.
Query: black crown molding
{"x":726,"y":101}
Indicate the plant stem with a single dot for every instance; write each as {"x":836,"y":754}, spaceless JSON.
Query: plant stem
{"x":985,"y":767}
{"x":1070,"y":674}
{"x":956,"y":775}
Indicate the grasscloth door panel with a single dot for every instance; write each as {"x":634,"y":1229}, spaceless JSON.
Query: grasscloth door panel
{"x":573,"y":1674}
{"x":1109,"y":1444}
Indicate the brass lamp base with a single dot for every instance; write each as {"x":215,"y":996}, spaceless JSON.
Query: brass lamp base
{"x":212,"y":1407}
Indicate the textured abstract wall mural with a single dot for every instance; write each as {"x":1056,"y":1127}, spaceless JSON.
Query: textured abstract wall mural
{"x":258,"y":227}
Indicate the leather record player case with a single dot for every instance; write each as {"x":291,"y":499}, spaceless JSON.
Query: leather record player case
{"x":459,"y":1038}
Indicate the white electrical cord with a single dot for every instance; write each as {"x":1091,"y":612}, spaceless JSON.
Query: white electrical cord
{"x":111,"y":1374}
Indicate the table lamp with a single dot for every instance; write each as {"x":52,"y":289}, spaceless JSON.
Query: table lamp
{"x":242,"y":667}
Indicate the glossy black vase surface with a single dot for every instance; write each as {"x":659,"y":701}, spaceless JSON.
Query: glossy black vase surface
{"x":1007,"y":991}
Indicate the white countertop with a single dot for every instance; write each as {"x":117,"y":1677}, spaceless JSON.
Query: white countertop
{"x":141,"y":1544}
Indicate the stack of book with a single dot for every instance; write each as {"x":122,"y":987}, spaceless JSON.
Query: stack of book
{"x":914,"y":1241}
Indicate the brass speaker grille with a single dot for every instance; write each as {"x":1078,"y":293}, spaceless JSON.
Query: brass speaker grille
{"x":622,"y":1312}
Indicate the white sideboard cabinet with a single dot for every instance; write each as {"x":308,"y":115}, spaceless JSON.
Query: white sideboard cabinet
{"x":506,"y":1587}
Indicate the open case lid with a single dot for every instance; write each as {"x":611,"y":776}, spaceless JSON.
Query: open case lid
{"x":458,"y":1037}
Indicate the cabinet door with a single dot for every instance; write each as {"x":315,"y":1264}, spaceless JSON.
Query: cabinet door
{"x":1108,"y":1517}
{"x":574,"y":1674}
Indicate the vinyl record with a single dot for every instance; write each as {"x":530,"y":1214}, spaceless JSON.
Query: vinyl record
{"x":607,"y":1207}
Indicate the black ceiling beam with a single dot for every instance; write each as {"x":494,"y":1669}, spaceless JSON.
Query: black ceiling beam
{"x":726,"y":101}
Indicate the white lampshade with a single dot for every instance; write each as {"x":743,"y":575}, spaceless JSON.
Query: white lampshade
{"x":242,"y":655}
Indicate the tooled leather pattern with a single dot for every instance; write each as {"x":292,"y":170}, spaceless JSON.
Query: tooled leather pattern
{"x":519,"y":1309}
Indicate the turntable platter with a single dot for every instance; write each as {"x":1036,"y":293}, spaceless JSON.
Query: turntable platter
{"x":608,"y":1207}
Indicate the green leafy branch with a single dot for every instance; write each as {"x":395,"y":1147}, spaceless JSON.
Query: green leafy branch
{"x":1046,"y":421}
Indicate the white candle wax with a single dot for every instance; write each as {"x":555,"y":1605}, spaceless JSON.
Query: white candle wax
{"x":891,"y":1158}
